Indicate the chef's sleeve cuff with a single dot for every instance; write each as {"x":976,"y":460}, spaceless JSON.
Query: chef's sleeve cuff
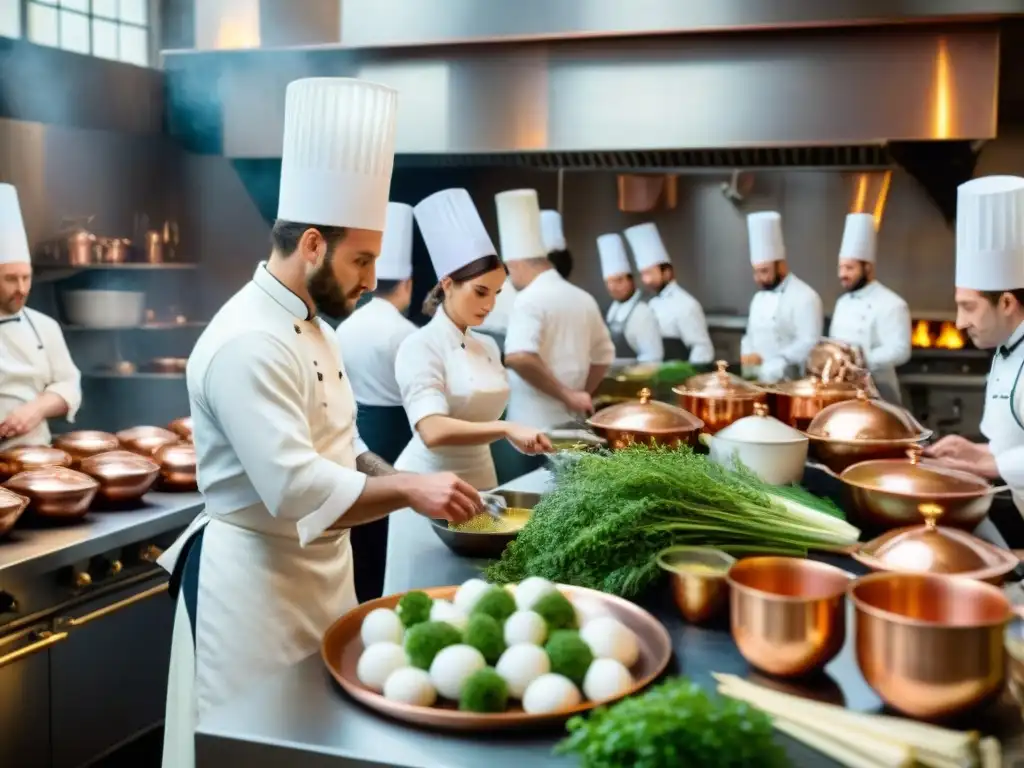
{"x":347,"y":490}
{"x":70,"y":394}
{"x":428,"y":402}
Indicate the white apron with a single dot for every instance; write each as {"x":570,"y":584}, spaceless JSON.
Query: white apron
{"x":25,"y":371}
{"x":262,"y":602}
{"x":1001,"y":423}
{"x":477,"y":390}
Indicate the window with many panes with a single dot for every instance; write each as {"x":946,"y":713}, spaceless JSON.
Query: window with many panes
{"x":110,"y":29}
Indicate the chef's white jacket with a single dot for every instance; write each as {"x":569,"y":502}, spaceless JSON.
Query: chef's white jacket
{"x":273,"y":415}
{"x":680,"y":316}
{"x":877,"y":320}
{"x":34,"y":359}
{"x":783,"y":326}
{"x":1002,"y":421}
{"x":562,"y":324}
{"x":641,"y":328}
{"x":368,"y":340}
{"x":497,"y":320}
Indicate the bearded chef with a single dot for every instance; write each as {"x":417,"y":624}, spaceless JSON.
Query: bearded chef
{"x":631,"y":322}
{"x":558,"y":348}
{"x":869,"y":315}
{"x":267,"y":566}
{"x":684,"y":330}
{"x":990,"y":308}
{"x":554,"y":242}
{"x":369,"y":339}
{"x":38,"y":380}
{"x":785,"y":319}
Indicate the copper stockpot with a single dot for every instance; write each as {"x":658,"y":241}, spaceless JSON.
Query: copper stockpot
{"x":25,"y":457}
{"x":182,"y":428}
{"x":177,"y":466}
{"x":84,"y":443}
{"x":796,"y":403}
{"x":719,"y":398}
{"x":788,"y":615}
{"x":146,"y":440}
{"x":645,"y":421}
{"x":12,"y":505}
{"x":55,"y":492}
{"x":931,"y":646}
{"x":122,"y":475}
{"x":862,"y":429}
{"x":888,"y":493}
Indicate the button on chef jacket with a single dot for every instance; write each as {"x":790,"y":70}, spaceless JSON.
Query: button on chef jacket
{"x":783,"y":326}
{"x":562,"y":324}
{"x":34,"y":359}
{"x":643,"y":335}
{"x":878,"y":321}
{"x":369,"y":340}
{"x":680,"y":316}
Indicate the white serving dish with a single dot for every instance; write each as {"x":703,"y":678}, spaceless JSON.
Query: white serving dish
{"x":772,"y":450}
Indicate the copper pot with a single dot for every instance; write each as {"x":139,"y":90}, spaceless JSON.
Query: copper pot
{"x":863,"y":429}
{"x":84,"y":443}
{"x":122,"y":475}
{"x":788,"y":614}
{"x":55,"y":492}
{"x":796,"y":403}
{"x":645,"y":421}
{"x":698,"y":578}
{"x":177,"y":466}
{"x":930,"y":646}
{"x":888,"y":493}
{"x":146,"y":440}
{"x":25,"y":457}
{"x":719,"y":398}
{"x":182,"y":428}
{"x":12,"y":505}
{"x":175,"y":365}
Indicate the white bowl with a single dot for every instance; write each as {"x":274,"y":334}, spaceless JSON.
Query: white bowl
{"x":105,"y":309}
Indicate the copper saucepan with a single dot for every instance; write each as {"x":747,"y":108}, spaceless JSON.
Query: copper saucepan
{"x":177,"y":466}
{"x":84,"y":443}
{"x":647,"y":422}
{"x":122,"y":475}
{"x":55,"y":492}
{"x":719,"y":398}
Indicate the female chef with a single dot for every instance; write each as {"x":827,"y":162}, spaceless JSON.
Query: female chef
{"x":454,"y":387}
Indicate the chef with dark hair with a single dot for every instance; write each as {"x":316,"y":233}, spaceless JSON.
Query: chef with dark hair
{"x":554,"y":242}
{"x":631,"y":322}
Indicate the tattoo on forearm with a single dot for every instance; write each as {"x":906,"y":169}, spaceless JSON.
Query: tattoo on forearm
{"x":372,"y":465}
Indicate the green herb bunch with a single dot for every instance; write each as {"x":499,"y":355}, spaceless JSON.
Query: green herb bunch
{"x":673,"y":725}
{"x":610,"y":514}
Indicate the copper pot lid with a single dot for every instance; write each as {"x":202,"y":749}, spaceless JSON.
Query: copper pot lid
{"x":930,"y":548}
{"x":914,"y":477}
{"x":115,"y":464}
{"x":177,"y":456}
{"x":719,"y":384}
{"x":863,"y":419}
{"x":51,"y":480}
{"x":86,"y":441}
{"x":37,"y":456}
{"x":645,"y":415}
{"x":814,"y":387}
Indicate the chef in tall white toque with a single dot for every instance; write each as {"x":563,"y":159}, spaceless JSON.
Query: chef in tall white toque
{"x":631,"y":322}
{"x":785,"y":319}
{"x":453,"y":384}
{"x":554,"y":242}
{"x":267,"y":566}
{"x":869,"y":315}
{"x":38,"y":379}
{"x":558,"y":348}
{"x":990,"y":308}
{"x":369,"y":339}
{"x":684,"y":330}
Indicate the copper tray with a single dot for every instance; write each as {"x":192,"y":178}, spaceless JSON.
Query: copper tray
{"x":341,"y":648}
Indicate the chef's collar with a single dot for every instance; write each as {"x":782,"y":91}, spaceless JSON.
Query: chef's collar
{"x":1013,"y":342}
{"x":281,"y":293}
{"x":864,"y":290}
{"x":547,"y":276}
{"x":442,"y":319}
{"x":781,"y":287}
{"x":15,"y":318}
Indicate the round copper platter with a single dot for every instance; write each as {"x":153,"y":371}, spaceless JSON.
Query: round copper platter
{"x":342,"y":646}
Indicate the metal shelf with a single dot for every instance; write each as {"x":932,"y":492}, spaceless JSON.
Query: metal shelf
{"x":136,"y":375}
{"x":144,"y":327}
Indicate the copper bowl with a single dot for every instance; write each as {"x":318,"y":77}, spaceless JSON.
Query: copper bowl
{"x":888,"y":493}
{"x":698,"y":576}
{"x":12,"y":505}
{"x":122,"y":475}
{"x":26,"y":457}
{"x":645,"y":421}
{"x":182,"y":428}
{"x":175,"y":365}
{"x":146,"y":440}
{"x":719,"y":398}
{"x":931,"y":646}
{"x":796,"y":403}
{"x":55,"y":492}
{"x":862,"y":429}
{"x":84,"y":443}
{"x":787,"y":614}
{"x":177,"y":466}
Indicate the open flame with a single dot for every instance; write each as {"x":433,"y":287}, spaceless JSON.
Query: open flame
{"x":922,"y":336}
{"x":948,"y":337}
